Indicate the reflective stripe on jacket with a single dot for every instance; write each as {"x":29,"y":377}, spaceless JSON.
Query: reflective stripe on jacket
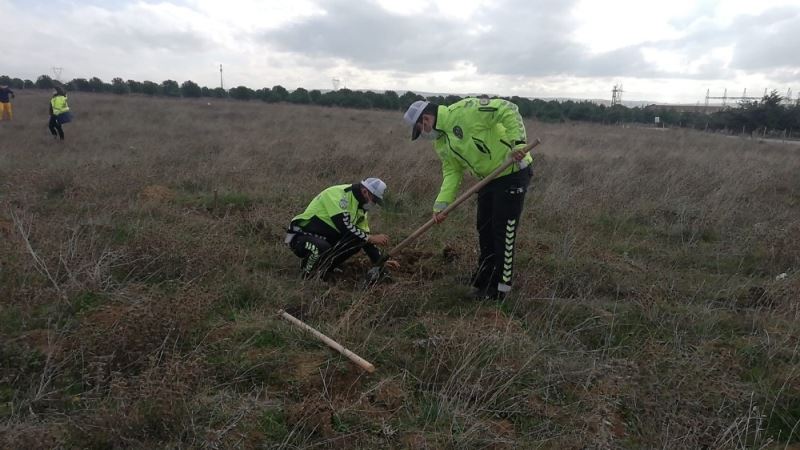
{"x":476,"y":135}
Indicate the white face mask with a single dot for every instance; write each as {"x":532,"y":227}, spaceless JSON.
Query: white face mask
{"x":369,"y":206}
{"x":429,"y":135}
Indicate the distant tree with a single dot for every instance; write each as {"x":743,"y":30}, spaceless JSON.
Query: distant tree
{"x":81,"y":84}
{"x":28,"y":84}
{"x":150,"y":88}
{"x":408,"y":98}
{"x":279,"y":94}
{"x":450,"y":99}
{"x":170,"y":88}
{"x":315,"y":95}
{"x":96,"y":84}
{"x":190,"y":89}
{"x":438,"y":99}
{"x":44,"y":82}
{"x":263,"y":94}
{"x":524,"y":106}
{"x":205,"y":91}
{"x":299,"y":96}
{"x":580,"y":111}
{"x":119,"y":87}
{"x":392,"y":100}
{"x":134,"y":86}
{"x":374,"y":99}
{"x":219,"y":92}
{"x":5,"y":80}
{"x":352,"y":99}
{"x":242,"y":93}
{"x":616,"y":114}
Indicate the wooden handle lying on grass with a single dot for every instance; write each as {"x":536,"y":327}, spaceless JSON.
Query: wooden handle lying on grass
{"x":473,"y":189}
{"x":361,"y":362}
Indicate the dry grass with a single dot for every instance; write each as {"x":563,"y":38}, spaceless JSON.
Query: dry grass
{"x":142,"y":266}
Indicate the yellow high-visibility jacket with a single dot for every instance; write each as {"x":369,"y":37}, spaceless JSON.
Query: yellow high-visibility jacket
{"x":338,"y":208}
{"x":59,"y":104}
{"x":476,"y":135}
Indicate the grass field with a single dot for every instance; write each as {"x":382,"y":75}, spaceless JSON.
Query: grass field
{"x":655,"y":305}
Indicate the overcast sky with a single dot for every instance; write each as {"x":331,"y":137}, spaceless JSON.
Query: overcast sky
{"x":666,"y":50}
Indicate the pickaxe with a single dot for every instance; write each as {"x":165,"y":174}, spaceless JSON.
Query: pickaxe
{"x":377,"y":271}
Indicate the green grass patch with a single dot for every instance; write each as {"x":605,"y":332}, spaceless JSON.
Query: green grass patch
{"x":783,"y":421}
{"x":235,"y":369}
{"x":85,"y":301}
{"x":11,"y":319}
{"x":123,"y":233}
{"x":272,"y":423}
{"x":268,"y":339}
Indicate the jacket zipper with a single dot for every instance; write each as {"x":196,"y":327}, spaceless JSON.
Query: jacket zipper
{"x":458,"y":154}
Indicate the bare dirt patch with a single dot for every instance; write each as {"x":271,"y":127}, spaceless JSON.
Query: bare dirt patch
{"x":156,"y":194}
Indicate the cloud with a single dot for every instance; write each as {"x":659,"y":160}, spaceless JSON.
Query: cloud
{"x":525,"y":38}
{"x":768,"y":41}
{"x":514,"y":37}
{"x":522,"y":47}
{"x":370,"y":37}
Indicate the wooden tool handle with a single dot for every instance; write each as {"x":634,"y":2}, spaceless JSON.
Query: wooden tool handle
{"x":473,"y":189}
{"x":361,"y":362}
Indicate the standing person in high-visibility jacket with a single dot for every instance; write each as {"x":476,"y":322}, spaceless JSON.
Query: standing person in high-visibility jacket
{"x":6,"y":95}
{"x":335,"y":227}
{"x":59,"y":112}
{"x":477,"y":135}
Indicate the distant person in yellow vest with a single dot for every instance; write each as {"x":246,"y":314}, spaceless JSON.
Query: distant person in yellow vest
{"x":6,"y":95}
{"x":59,"y":112}
{"x":334,"y":227}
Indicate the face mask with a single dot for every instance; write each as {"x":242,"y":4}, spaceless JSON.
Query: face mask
{"x":429,"y":135}
{"x":369,"y":206}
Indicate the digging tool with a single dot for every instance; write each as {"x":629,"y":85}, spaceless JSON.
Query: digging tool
{"x":359,"y":361}
{"x":377,"y":272}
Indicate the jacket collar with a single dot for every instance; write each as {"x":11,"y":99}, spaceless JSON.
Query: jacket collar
{"x":355,"y":189}
{"x":442,"y":119}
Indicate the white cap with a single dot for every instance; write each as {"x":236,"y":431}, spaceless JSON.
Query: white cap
{"x":412,"y":115}
{"x":376,"y":187}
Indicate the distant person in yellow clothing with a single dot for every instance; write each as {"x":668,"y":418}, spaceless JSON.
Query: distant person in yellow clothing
{"x":6,"y":95}
{"x":59,"y":112}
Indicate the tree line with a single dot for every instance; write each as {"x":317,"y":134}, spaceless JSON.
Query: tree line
{"x":769,"y":115}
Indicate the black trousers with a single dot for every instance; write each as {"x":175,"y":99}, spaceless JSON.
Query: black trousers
{"x":320,"y":255}
{"x":55,"y":128}
{"x":500,"y":206}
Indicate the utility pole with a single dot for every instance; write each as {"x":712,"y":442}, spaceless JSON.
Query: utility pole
{"x":220,"y":78}
{"x":616,"y":95}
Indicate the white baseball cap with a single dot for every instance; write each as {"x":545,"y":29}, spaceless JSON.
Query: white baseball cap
{"x":412,"y":116}
{"x":376,"y":187}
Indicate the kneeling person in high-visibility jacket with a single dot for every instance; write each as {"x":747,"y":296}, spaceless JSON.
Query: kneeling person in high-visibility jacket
{"x":335,"y":227}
